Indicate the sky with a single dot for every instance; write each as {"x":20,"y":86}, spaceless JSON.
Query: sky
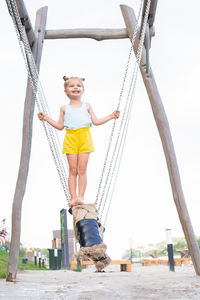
{"x":142,"y":207}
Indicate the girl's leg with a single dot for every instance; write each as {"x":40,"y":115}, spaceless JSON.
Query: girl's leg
{"x":72,"y":180}
{"x":82,"y":175}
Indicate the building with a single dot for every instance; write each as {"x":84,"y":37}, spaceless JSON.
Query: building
{"x":56,"y":242}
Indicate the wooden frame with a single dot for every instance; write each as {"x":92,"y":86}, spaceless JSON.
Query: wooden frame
{"x":36,"y":41}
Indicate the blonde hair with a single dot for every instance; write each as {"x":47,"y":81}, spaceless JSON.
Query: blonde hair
{"x":66,"y":80}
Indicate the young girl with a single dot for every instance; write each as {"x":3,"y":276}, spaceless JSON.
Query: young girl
{"x":77,"y":117}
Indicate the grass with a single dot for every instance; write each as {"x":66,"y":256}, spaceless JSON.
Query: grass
{"x":3,"y":263}
{"x":4,"y":260}
{"x":78,"y":269}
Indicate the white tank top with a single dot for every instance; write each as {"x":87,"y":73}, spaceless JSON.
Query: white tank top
{"x":77,"y":117}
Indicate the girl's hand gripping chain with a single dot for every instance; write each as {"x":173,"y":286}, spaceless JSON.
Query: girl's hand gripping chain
{"x":42,"y":116}
{"x":115,"y":114}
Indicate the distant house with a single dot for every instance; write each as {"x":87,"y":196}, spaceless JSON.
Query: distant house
{"x":56,"y":242}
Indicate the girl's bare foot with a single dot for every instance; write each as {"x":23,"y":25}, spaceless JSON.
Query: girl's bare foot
{"x":73,"y":202}
{"x":80,"y":200}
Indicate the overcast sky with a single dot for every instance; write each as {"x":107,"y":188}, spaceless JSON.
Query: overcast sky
{"x":143,"y":205}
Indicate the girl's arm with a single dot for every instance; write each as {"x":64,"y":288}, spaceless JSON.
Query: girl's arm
{"x":96,"y":121}
{"x":58,"y":125}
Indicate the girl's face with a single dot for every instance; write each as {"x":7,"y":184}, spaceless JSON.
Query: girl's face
{"x":74,"y":88}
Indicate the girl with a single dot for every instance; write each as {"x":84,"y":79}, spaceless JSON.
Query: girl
{"x":77,"y":117}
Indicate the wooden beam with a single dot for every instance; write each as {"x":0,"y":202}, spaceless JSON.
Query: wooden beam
{"x":27,"y":22}
{"x":29,"y":106}
{"x":95,"y":33}
{"x":167,"y":143}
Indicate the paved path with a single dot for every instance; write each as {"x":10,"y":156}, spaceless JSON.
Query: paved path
{"x":142,"y":283}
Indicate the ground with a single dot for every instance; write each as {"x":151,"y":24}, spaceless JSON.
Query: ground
{"x":155,"y":282}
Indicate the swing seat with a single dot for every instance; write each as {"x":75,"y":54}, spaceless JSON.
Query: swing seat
{"x":89,"y":233}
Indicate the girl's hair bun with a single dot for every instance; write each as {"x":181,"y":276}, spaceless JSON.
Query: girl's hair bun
{"x":65,"y":78}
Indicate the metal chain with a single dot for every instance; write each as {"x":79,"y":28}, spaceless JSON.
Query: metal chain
{"x":118,"y":160}
{"x":117,"y":155}
{"x":119,"y":139}
{"x":40,"y":99}
{"x":118,"y":106}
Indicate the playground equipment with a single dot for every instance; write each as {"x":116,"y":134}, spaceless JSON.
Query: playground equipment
{"x":178,"y":261}
{"x":125,"y":265}
{"x":136,"y":35}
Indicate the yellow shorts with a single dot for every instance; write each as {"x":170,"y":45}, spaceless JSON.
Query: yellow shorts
{"x":78,"y":141}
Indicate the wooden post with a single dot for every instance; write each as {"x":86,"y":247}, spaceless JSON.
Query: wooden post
{"x":152,"y":12}
{"x":167,"y":143}
{"x":24,"y":16}
{"x":29,"y":105}
{"x":25,"y":20}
